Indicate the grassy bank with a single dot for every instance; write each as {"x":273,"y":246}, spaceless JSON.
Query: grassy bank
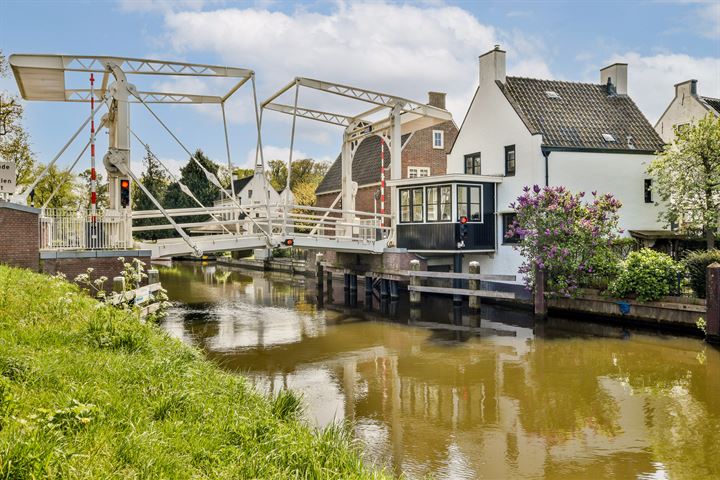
{"x":87,"y":391}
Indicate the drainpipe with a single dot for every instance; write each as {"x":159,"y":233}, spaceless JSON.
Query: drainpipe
{"x":546,"y":154}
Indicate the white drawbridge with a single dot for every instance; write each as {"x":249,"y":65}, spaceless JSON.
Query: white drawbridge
{"x":229,"y":225}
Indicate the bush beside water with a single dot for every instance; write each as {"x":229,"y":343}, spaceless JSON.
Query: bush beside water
{"x":696,"y":264}
{"x":647,"y":275}
{"x":89,"y":391}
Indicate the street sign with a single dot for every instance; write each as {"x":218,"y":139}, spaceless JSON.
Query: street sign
{"x":8,"y":177}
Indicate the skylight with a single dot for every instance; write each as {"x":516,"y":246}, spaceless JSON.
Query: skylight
{"x":608,"y":138}
{"x":551,"y":94}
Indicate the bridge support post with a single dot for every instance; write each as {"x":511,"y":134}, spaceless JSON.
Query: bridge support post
{"x":457,"y":283}
{"x":540,"y":302}
{"x":319,"y":271}
{"x":473,"y":301}
{"x":415,"y":296}
{"x":368,"y":291}
{"x":713,"y":303}
{"x":384,"y":288}
{"x":394,"y":293}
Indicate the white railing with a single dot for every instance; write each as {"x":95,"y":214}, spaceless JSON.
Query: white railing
{"x":76,"y":230}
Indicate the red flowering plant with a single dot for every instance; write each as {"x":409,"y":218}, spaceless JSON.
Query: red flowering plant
{"x":566,"y":236}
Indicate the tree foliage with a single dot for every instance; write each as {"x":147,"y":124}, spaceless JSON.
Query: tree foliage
{"x":568,"y":238}
{"x":14,"y":139}
{"x":64,"y":181}
{"x":648,"y":275}
{"x":304,"y":171}
{"x":687,"y":178}
{"x":157,"y":181}
{"x":103,"y":198}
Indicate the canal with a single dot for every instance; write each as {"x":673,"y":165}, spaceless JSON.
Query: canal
{"x":446,"y":394}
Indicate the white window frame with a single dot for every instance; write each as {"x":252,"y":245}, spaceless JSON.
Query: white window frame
{"x":418,"y":172}
{"x":442,"y":139}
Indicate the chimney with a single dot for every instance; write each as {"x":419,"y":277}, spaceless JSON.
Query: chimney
{"x":687,"y":88}
{"x":615,"y":77}
{"x":492,"y":66}
{"x":436,"y":99}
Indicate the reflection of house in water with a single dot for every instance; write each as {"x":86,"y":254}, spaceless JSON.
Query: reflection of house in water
{"x":505,"y":404}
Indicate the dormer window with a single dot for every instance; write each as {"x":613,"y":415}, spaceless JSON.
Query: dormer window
{"x":552,"y":94}
{"x":608,"y":138}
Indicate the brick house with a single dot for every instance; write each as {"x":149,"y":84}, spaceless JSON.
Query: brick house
{"x":424,"y":153}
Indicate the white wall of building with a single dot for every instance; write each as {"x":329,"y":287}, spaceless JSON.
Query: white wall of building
{"x":685,"y":108}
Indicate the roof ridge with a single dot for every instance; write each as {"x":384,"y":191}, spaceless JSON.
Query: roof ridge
{"x":570,"y":82}
{"x":709,"y":98}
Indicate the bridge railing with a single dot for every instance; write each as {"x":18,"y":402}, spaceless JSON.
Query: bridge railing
{"x":62,"y":229}
{"x":278,"y":219}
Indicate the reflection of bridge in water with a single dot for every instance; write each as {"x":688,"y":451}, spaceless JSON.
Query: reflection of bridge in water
{"x":503,"y":401}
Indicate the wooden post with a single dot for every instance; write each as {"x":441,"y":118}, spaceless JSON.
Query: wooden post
{"x":118,"y":284}
{"x":713,"y":303}
{"x":473,"y":301}
{"x":415,"y":297}
{"x":319,"y":270}
{"x":153,"y":276}
{"x":540,"y":301}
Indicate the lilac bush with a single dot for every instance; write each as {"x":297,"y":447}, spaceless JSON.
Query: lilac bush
{"x":566,"y":235}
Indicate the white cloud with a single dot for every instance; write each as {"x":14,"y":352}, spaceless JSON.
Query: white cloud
{"x":164,"y":5}
{"x":651,"y":79}
{"x":272,"y":152}
{"x":363,"y":44}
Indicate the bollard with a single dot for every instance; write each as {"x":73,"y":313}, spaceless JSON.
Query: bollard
{"x":539,"y":298}
{"x":713,"y":303}
{"x":319,"y":270}
{"x":153,"y":276}
{"x":118,"y":284}
{"x":473,"y":301}
{"x":415,"y":297}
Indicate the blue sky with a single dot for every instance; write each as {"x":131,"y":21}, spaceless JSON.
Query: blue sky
{"x":400,"y":48}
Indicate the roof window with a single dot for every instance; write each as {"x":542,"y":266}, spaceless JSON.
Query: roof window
{"x":608,"y":138}
{"x":551,"y":94}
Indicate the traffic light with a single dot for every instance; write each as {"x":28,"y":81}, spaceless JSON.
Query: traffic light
{"x":124,"y":192}
{"x":288,"y":242}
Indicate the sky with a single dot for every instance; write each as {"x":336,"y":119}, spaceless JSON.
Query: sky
{"x":401,"y":48}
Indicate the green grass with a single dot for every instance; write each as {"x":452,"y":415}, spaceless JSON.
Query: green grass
{"x":87,"y":391}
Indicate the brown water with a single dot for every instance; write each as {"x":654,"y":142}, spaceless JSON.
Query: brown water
{"x":456,"y":396}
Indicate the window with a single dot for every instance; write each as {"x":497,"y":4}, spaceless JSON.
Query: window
{"x":507,"y":220}
{"x":438,"y":139}
{"x":439,"y":203}
{"x":551,"y":94}
{"x":510,"y":160}
{"x":411,"y":205}
{"x":681,"y":127}
{"x":415,"y":172}
{"x":469,"y":203}
{"x":472,"y":163}
{"x":648,"y":190}
{"x":608,"y":138}
{"x":249,"y":194}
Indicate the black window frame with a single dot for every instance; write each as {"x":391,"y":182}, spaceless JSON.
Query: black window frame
{"x":468,"y":203}
{"x":510,"y":149}
{"x":412,"y":205}
{"x":647,"y":188}
{"x":506,"y":220}
{"x":438,"y":203}
{"x":476,"y":163}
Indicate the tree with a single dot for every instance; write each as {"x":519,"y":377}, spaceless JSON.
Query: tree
{"x":14,"y":140}
{"x":566,"y":237}
{"x":103,"y":199}
{"x":62,"y":182}
{"x":686,"y":176}
{"x":304,"y":171}
{"x":157,"y":181}
{"x":194,"y":178}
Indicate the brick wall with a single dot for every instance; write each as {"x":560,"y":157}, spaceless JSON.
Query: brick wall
{"x":72,"y":264}
{"x":19,"y":236}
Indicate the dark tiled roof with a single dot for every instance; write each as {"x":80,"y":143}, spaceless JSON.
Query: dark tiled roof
{"x":240,"y":183}
{"x":580,"y":117}
{"x":713,"y":103}
{"x":366,"y":165}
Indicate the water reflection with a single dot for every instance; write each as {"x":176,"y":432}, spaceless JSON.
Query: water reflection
{"x":441,"y":392}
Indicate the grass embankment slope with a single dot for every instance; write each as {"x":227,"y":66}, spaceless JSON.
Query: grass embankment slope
{"x":87,"y":391}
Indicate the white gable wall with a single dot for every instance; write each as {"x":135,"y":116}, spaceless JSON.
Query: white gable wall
{"x":684,"y":108}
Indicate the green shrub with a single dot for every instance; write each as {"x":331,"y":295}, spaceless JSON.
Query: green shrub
{"x":696,"y":264}
{"x":648,"y":275}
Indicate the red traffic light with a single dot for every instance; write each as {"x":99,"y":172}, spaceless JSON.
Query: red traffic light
{"x":124,"y":183}
{"x":289,"y":242}
{"x":463,"y":220}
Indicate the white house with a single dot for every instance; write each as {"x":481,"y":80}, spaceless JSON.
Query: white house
{"x":522,"y":131}
{"x":686,"y":108}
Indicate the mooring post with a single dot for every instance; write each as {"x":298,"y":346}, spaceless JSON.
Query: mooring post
{"x":473,"y":301}
{"x":384,"y":288}
{"x":394,"y":291}
{"x":319,"y":270}
{"x":539,"y":300}
{"x":118,"y":284}
{"x":415,"y":281}
{"x":153,"y":276}
{"x":457,"y":283}
{"x":713,"y":303}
